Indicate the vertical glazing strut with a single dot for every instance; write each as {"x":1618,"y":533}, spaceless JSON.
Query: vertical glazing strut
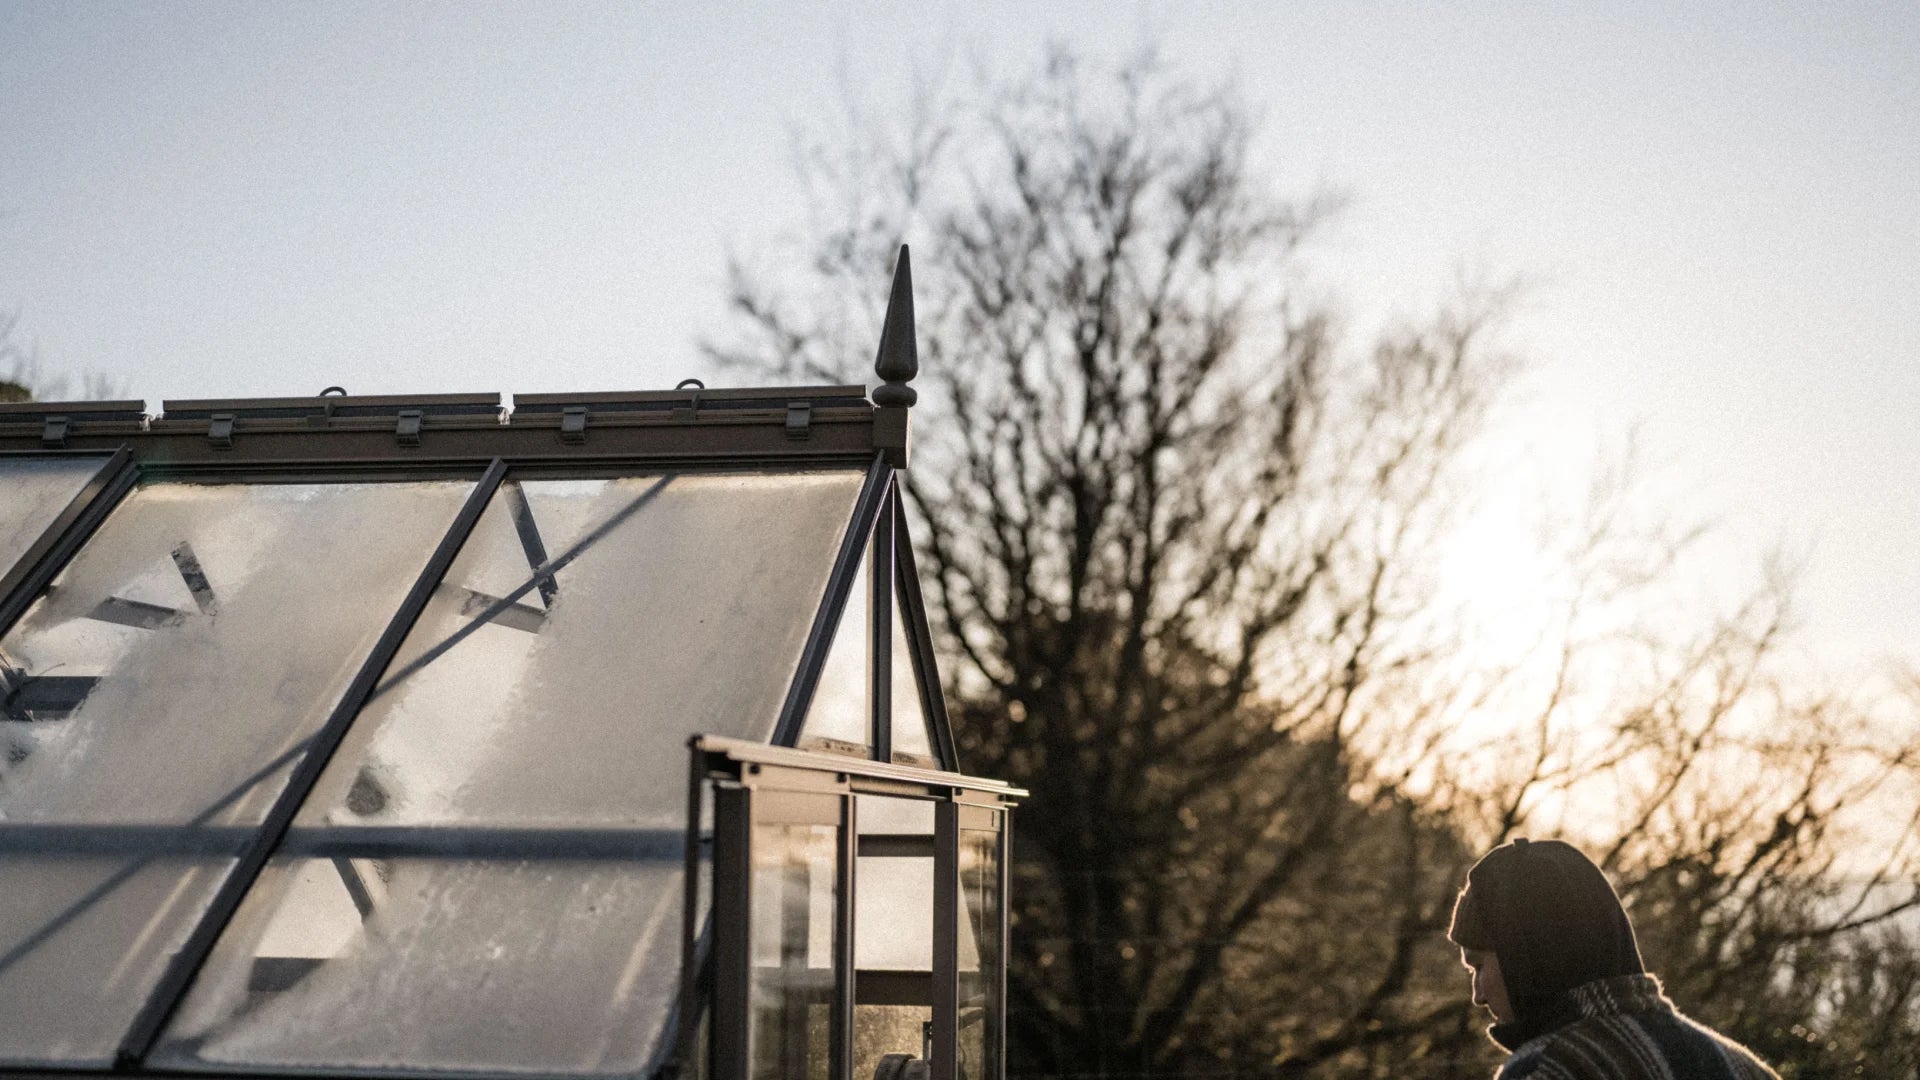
{"x":186,"y":963}
{"x":880,"y":634}
{"x":946,"y":941}
{"x":840,"y":1039}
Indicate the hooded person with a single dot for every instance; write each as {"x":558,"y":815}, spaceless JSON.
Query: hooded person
{"x":1554,"y":958}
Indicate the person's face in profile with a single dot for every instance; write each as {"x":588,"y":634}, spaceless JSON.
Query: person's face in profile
{"x":1489,"y":989}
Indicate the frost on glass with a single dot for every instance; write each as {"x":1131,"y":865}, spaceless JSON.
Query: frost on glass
{"x":680,"y":607}
{"x":33,"y":491}
{"x":912,"y":733}
{"x":837,"y":719}
{"x":585,"y":631}
{"x":480,"y":966}
{"x":160,"y":690}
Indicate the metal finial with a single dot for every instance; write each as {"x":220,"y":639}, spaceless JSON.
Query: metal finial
{"x":899,"y":358}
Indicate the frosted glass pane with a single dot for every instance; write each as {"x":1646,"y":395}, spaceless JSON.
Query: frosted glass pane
{"x":408,"y":964}
{"x":563,"y":700}
{"x":682,"y":609}
{"x":837,"y":719}
{"x":878,"y":814}
{"x":893,"y":913}
{"x":912,"y":735}
{"x":83,"y":940}
{"x":169,"y":677}
{"x":33,"y":491}
{"x":893,"y":894}
{"x":198,"y":637}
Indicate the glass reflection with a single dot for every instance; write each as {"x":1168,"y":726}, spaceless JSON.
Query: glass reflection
{"x":980,"y":936}
{"x":791,"y":990}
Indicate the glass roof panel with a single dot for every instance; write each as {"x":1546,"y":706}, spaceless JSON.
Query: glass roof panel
{"x":487,"y":966}
{"x":35,"y":491}
{"x":912,"y":732}
{"x":156,"y":697}
{"x":548,"y":710}
{"x":681,"y":608}
{"x":837,"y":719}
{"x":82,"y":939}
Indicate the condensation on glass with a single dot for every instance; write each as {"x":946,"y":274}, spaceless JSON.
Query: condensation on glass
{"x":156,"y":697}
{"x":584,"y":632}
{"x":462,"y":964}
{"x":37,"y":490}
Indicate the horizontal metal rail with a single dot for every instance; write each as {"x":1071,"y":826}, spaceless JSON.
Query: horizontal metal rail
{"x":425,"y":841}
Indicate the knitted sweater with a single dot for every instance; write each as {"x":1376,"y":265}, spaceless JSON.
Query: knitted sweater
{"x":1628,"y":1030}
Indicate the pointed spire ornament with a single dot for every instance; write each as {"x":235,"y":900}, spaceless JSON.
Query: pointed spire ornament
{"x":899,"y":358}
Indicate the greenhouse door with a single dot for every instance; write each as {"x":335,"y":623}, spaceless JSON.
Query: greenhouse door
{"x":858,"y":919}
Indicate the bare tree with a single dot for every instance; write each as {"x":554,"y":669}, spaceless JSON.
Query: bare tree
{"x":1179,"y":539}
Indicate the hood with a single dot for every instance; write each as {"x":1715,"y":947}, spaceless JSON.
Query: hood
{"x":1550,"y":916}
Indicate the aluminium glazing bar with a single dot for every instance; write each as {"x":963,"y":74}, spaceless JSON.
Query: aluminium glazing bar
{"x":833,"y":603}
{"x":186,"y":964}
{"x":840,"y":1038}
{"x":486,"y":842}
{"x":946,"y":941}
{"x":691,"y":1002}
{"x":38,"y":565}
{"x":880,"y":634}
{"x":998,"y":1015}
{"x":727,"y":1042}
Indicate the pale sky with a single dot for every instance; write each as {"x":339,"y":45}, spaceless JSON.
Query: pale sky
{"x":1719,"y":206}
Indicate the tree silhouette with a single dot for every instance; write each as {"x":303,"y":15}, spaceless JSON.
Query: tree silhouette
{"x":1180,"y":546}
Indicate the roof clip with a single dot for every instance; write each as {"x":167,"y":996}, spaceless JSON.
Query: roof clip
{"x":573,"y":424}
{"x":220,"y":431}
{"x":408,"y":429}
{"x":54,"y":435}
{"x":799,"y":419}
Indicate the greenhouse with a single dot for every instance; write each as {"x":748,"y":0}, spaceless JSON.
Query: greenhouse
{"x":371,"y":736}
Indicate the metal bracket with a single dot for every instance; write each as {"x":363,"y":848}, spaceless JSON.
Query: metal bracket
{"x":688,"y":413}
{"x":54,"y":435}
{"x":799,"y":419}
{"x":220,"y":431}
{"x":573,"y":424}
{"x":408,"y":429}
